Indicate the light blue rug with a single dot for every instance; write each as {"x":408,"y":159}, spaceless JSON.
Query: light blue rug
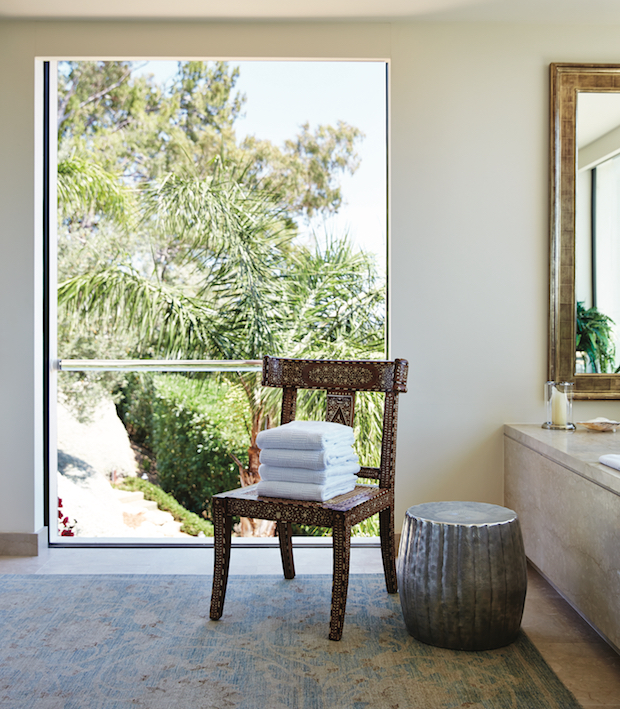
{"x":106,"y":642}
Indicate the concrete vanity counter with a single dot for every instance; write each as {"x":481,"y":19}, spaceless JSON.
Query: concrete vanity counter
{"x":569,"y":507}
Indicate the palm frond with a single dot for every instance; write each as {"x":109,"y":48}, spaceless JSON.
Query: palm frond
{"x":234,"y":238}
{"x":165,"y":322}
{"x":85,"y":186}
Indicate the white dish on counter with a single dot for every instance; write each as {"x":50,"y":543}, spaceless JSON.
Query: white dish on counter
{"x":600,"y":424}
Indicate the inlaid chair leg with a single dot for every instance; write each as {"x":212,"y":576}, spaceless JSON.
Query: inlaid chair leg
{"x":386,"y":530}
{"x":222,"y":529}
{"x":286,"y":549}
{"x":340,"y":583}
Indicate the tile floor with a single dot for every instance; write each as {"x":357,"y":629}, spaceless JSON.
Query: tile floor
{"x":582,"y":660}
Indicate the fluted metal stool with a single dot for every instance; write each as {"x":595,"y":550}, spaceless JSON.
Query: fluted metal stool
{"x":462,"y":575}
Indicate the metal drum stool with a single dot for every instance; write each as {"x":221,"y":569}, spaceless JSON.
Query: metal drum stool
{"x":461,"y":574}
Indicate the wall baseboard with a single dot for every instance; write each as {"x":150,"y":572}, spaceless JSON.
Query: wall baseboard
{"x":20,"y":544}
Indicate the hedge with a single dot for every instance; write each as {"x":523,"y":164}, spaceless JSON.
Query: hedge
{"x":192,"y":523}
{"x":185,"y":424}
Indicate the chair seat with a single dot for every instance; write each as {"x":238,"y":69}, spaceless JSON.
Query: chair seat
{"x":366,"y":500}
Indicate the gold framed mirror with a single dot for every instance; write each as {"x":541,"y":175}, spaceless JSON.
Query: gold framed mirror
{"x":577,"y":93}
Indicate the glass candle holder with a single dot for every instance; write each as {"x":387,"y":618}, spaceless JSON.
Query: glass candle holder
{"x":559,"y":402}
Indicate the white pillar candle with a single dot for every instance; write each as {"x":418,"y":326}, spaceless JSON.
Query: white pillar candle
{"x":559,"y":408}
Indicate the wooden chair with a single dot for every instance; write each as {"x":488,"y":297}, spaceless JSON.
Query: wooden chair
{"x":341,"y":379}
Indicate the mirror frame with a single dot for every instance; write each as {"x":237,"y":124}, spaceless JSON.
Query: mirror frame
{"x":566,"y":81}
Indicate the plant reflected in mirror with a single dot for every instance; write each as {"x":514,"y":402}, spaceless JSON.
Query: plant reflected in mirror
{"x":594,"y":342}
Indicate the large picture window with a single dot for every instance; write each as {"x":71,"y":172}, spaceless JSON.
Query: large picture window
{"x":209,"y":213}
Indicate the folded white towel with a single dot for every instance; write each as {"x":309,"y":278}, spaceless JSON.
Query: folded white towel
{"x":301,"y":491}
{"x":304,"y":475}
{"x":611,"y":459}
{"x":312,"y":460}
{"x":306,"y":435}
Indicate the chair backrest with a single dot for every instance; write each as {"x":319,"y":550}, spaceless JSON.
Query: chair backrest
{"x":341,"y":379}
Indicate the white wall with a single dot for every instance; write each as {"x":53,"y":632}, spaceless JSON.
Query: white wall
{"x":469,"y":253}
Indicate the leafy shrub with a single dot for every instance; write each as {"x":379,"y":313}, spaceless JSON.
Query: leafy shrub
{"x":192,"y":450}
{"x":192,"y":523}
{"x":135,"y":407}
{"x":192,"y":425}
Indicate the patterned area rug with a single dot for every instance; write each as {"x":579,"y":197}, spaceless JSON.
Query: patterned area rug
{"x":106,"y":642}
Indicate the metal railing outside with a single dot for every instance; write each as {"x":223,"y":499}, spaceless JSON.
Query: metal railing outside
{"x":159,"y":365}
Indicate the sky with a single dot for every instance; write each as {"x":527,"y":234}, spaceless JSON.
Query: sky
{"x":282,"y":95}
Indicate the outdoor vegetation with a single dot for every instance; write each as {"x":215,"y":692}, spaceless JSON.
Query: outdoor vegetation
{"x":594,"y":340}
{"x":177,"y":240}
{"x":191,"y":523}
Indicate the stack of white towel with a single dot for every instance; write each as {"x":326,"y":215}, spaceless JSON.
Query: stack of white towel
{"x":307,"y":460}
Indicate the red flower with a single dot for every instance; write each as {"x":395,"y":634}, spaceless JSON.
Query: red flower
{"x":64,"y":525}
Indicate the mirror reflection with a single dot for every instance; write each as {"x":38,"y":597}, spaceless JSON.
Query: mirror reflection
{"x":597,"y":233}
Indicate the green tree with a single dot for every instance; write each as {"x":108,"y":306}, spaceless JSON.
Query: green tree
{"x":307,"y":170}
{"x":133,"y":127}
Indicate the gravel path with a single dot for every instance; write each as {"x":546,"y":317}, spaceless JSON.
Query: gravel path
{"x":88,"y":456}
